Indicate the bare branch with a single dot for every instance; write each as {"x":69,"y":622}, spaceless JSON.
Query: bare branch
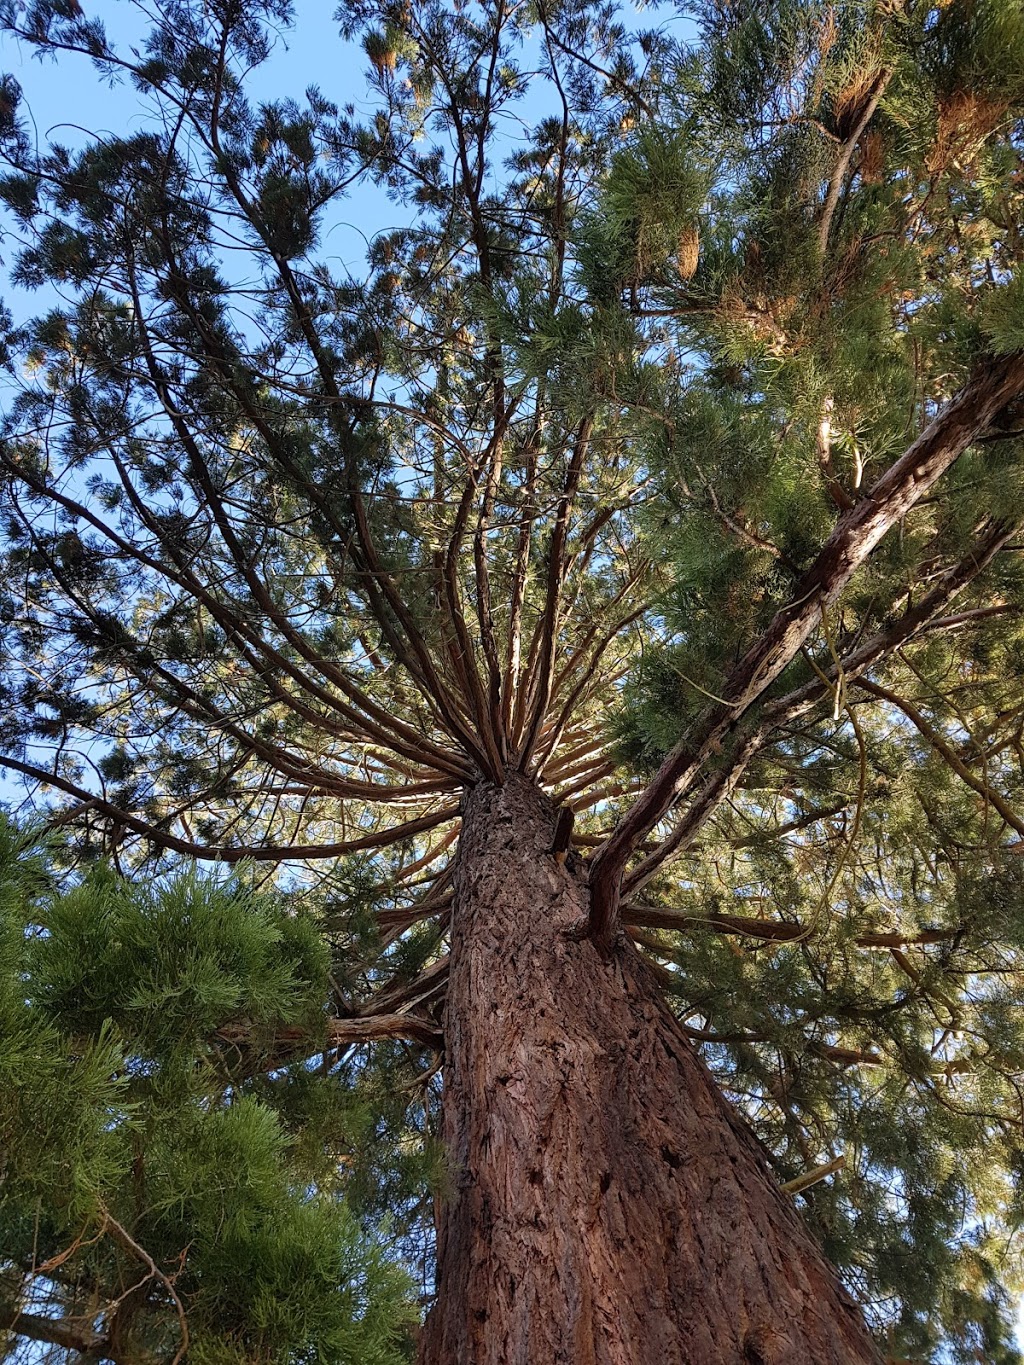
{"x":772,"y":930}
{"x":813,"y":1177}
{"x":211,"y":853}
{"x":71,"y":1334}
{"x":991,"y":538}
{"x":404,"y":994}
{"x":541,"y":681}
{"x":719,"y":788}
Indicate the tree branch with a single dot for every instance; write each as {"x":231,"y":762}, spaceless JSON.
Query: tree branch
{"x":856,"y":534}
{"x":772,"y":930}
{"x":211,"y":853}
{"x":991,"y":538}
{"x":946,"y":752}
{"x":289,"y":1044}
{"x":812,"y":1177}
{"x":849,"y":147}
{"x":63,"y":1332}
{"x":125,"y":1240}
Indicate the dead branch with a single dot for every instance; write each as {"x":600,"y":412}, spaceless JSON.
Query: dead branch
{"x":812,"y":1177}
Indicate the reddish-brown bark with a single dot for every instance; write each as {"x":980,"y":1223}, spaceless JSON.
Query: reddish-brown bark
{"x":607,"y":1206}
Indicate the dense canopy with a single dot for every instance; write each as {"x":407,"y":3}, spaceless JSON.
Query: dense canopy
{"x":667,"y":449}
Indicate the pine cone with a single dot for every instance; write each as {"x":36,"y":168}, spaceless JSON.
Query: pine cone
{"x":687,"y":252}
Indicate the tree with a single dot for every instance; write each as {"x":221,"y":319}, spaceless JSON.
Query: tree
{"x":157,"y":1177}
{"x":611,"y":606}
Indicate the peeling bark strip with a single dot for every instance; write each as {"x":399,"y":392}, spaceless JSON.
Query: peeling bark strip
{"x":608,"y":1207}
{"x":856,"y":534}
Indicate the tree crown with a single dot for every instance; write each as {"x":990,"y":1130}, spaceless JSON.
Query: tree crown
{"x":668,"y":450}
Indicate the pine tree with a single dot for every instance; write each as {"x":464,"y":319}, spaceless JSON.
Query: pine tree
{"x":608,"y":611}
{"x":166,"y":1193}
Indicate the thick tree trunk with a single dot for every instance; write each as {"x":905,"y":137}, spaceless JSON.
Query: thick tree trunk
{"x":608,"y":1207}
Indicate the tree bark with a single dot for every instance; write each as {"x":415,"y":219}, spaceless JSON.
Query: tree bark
{"x":607,"y":1205}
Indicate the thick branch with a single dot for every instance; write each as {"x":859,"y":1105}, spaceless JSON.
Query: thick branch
{"x":72,"y":1334}
{"x":718,"y":789}
{"x":404,"y":994}
{"x":991,"y":537}
{"x":856,"y":534}
{"x":290,"y":1043}
{"x":771,"y":930}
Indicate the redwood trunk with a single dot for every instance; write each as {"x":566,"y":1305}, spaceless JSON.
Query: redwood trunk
{"x":607,"y":1205}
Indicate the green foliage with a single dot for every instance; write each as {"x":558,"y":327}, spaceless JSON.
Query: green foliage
{"x":653,"y":194}
{"x":1002,"y":316}
{"x":169,"y":962}
{"x":128,"y":1131}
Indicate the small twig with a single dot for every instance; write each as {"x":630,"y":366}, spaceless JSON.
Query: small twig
{"x":124,"y":1238}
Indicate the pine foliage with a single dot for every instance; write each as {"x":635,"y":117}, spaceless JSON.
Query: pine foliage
{"x":159,"y":1198}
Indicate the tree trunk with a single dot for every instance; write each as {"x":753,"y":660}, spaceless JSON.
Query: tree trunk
{"x":607,"y":1206}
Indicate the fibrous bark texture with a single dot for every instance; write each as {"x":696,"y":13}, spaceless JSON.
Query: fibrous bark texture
{"x":607,"y":1206}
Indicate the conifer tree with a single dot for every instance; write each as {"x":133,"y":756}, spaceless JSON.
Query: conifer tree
{"x":168,"y":1194}
{"x":608,"y":608}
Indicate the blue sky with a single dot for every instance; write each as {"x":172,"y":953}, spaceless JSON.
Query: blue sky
{"x":66,"y":100}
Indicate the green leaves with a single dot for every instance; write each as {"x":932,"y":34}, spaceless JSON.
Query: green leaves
{"x":116,"y":1102}
{"x":1001,"y":315}
{"x":654,"y":192}
{"x":976,"y":48}
{"x":172,"y":962}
